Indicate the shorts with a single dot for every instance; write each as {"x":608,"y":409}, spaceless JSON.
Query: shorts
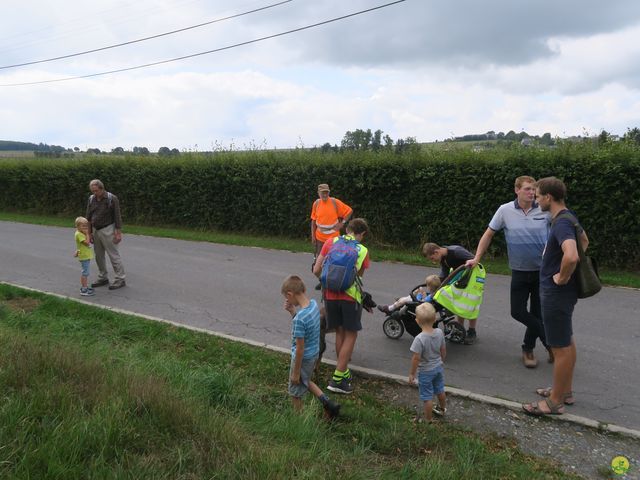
{"x":557,"y":314}
{"x":85,"y":267}
{"x":343,"y":313}
{"x":431,"y":383}
{"x":306,"y":370}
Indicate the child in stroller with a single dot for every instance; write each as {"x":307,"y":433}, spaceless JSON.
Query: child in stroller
{"x":405,"y":318}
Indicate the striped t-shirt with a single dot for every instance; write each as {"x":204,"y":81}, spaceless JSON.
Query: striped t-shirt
{"x":306,"y":324}
{"x":525,"y":233}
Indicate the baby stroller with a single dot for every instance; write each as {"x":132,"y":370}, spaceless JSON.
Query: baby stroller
{"x":457,"y":281}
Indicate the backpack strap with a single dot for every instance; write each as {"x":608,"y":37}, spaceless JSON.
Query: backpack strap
{"x":109,"y":199}
{"x":335,"y":205}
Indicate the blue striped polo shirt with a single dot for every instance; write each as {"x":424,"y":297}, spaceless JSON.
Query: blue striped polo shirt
{"x":306,"y":324}
{"x":526,"y":234}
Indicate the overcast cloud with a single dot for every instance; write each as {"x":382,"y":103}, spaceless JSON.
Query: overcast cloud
{"x":429,"y":69}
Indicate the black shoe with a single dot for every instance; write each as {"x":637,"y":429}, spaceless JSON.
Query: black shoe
{"x":343,"y":386}
{"x":319,"y":286}
{"x":100,"y":283}
{"x":471,"y":337}
{"x":117,"y":285}
{"x":332,"y":409}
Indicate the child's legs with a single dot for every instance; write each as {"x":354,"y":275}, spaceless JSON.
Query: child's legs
{"x":438,"y":386}
{"x":314,"y":389}
{"x":297,"y":403}
{"x":425,"y":387}
{"x":401,"y":302}
{"x":428,"y":410}
{"x":85,"y":272}
{"x":299,"y":390}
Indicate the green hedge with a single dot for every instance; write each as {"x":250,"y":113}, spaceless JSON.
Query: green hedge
{"x":442,"y":196}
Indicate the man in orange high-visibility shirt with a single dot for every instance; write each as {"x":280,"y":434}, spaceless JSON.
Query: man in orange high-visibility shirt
{"x":328,"y":216}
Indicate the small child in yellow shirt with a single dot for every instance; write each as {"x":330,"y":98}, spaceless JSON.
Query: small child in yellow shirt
{"x":84,"y":253}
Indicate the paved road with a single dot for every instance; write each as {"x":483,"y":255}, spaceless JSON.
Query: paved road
{"x":236,"y":290}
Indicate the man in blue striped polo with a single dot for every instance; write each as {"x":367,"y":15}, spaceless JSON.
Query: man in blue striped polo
{"x":526,"y":228}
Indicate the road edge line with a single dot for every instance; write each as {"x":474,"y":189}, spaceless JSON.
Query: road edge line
{"x":369,"y":372}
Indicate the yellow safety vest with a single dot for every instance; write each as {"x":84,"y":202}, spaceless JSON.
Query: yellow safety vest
{"x":463,"y":300}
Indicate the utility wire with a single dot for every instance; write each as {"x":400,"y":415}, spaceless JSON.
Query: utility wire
{"x":228,"y":47}
{"x":77,"y":54}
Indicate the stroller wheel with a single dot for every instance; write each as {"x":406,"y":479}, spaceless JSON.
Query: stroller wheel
{"x":393,"y":328}
{"x":454,"y":332}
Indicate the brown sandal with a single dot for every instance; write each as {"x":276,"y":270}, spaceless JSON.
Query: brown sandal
{"x":567,"y":398}
{"x":535,"y":410}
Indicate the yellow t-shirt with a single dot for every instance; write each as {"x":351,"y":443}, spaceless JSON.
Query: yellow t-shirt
{"x":85,"y":251}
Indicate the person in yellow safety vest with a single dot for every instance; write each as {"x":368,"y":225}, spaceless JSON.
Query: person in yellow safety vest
{"x":463,"y":296}
{"x":450,"y":258}
{"x":328,"y":216}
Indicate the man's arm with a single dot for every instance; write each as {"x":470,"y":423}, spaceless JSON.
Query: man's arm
{"x":297,"y":363}
{"x":584,"y":241}
{"x":570,"y":259}
{"x":314,"y":227}
{"x":483,"y":245}
{"x":317,"y":268}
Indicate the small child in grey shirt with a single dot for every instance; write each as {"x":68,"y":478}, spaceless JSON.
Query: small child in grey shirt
{"x":429,"y":351}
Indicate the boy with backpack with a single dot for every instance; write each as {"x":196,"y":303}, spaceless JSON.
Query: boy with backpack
{"x":340,"y":267}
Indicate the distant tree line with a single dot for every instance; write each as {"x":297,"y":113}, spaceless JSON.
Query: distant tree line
{"x":31,"y":147}
{"x":366,"y":140}
{"x":501,"y":137}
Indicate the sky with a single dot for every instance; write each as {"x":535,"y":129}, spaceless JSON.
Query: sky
{"x":429,"y":69}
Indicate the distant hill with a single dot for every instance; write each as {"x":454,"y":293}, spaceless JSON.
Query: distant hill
{"x":30,"y":147}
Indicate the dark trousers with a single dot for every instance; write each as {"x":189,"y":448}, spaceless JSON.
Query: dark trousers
{"x":525,"y":288}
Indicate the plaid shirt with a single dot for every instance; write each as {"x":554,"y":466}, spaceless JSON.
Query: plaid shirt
{"x":100,"y":215}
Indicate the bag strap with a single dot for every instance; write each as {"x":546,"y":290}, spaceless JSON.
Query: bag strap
{"x":109,"y":199}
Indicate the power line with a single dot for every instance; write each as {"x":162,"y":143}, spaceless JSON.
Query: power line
{"x":145,"y":38}
{"x":228,"y":47}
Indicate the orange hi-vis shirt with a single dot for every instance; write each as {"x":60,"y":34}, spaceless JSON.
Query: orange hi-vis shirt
{"x":326,"y":215}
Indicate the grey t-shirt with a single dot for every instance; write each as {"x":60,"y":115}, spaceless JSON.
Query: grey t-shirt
{"x":427,"y":345}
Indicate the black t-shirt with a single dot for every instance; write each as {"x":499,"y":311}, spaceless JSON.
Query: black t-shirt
{"x":561,"y":229}
{"x":456,"y":256}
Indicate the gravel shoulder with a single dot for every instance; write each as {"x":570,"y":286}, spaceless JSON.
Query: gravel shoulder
{"x":576,"y":449}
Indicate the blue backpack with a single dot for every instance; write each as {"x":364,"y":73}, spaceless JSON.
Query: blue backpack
{"x":339,"y":268}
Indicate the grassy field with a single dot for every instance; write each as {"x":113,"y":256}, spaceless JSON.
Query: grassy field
{"x":88,"y":393}
{"x":378,"y":253}
{"x":16,"y":154}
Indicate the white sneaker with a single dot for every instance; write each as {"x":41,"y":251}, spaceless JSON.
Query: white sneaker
{"x":439,"y":411}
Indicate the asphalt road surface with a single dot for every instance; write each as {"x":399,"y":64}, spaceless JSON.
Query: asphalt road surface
{"x":236,"y":290}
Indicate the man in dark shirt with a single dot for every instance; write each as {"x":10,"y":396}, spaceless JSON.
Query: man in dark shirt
{"x":450,"y":258}
{"x":103,"y":213}
{"x":558,"y":296}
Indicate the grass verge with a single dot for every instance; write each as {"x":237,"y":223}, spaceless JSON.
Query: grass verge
{"x":620,"y":278}
{"x":88,"y":393}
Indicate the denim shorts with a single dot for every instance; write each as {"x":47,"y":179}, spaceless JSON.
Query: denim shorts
{"x":431,"y":383}
{"x":306,"y":370}
{"x":557,"y":311}
{"x":85,"y":267}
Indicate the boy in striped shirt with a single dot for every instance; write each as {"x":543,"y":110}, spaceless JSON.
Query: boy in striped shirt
{"x":305,"y":345}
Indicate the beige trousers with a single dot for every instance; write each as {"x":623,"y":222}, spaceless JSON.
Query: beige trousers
{"x":103,"y":242}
